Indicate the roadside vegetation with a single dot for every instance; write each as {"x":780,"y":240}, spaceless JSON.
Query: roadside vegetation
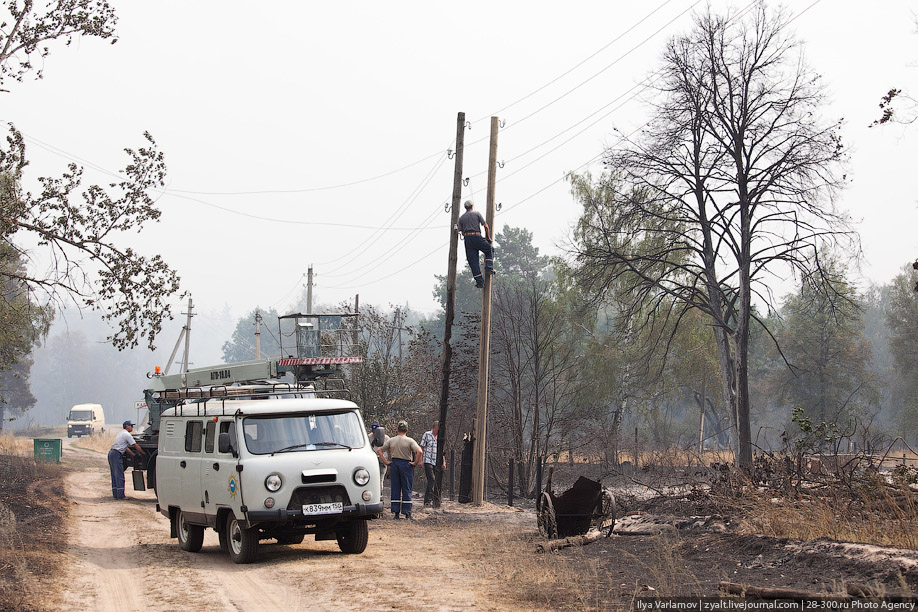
{"x":98,"y":442}
{"x":32,"y":535}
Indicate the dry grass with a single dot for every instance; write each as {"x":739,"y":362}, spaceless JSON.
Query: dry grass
{"x":878,"y":516}
{"x":98,"y":442}
{"x":553,"y":582}
{"x":574,"y":580}
{"x":12,"y":445}
{"x":851,"y":501}
{"x":31,"y":519}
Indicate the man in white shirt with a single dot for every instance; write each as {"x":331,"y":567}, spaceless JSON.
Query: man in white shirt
{"x":123,"y":443}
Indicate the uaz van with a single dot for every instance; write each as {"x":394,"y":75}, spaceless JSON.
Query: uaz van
{"x":274,"y":468}
{"x":85,"y":420}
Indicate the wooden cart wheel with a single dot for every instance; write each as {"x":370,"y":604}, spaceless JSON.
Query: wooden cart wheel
{"x":548,"y":522}
{"x":604,"y":513}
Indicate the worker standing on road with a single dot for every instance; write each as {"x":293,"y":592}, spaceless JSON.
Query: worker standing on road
{"x":429,"y":446}
{"x":470,"y":224}
{"x":123,"y":443}
{"x":402,"y":450}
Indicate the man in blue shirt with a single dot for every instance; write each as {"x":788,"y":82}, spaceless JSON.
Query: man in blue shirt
{"x":470,"y":224}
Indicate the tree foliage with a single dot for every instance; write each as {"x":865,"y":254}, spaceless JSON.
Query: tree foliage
{"x":241,"y":347}
{"x":828,"y":376}
{"x":77,"y":227}
{"x":22,"y":326}
{"x":26,"y":32}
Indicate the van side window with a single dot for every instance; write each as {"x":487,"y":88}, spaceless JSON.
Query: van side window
{"x":230,"y":428}
{"x":193,"y":431}
{"x":209,"y":435}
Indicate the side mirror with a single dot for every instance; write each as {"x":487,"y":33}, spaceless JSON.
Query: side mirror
{"x":225,"y":444}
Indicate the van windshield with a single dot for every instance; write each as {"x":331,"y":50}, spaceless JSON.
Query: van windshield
{"x":303,"y":432}
{"x":80,"y":415}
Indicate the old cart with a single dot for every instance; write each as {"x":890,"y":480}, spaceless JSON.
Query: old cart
{"x":586,"y":504}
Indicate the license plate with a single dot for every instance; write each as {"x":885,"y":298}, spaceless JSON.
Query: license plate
{"x":332,"y":508}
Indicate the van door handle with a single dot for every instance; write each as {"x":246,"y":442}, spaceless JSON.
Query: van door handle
{"x":182,"y":464}
{"x":216,"y":467}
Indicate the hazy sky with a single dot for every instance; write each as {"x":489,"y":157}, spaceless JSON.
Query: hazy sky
{"x":301,"y":133}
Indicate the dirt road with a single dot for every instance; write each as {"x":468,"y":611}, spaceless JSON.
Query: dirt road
{"x":123,"y":559}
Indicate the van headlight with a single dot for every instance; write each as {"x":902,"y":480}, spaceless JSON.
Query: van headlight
{"x":361,"y":476}
{"x":274,"y":482}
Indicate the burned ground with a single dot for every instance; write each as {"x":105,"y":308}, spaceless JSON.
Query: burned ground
{"x":487,"y":556}
{"x":32,"y":541}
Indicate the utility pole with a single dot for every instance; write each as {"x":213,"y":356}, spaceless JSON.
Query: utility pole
{"x":481,"y":425}
{"x":450,"y":307}
{"x":398,"y":327}
{"x":178,"y":343}
{"x":356,"y":331}
{"x":309,"y":291}
{"x":257,"y":335}
{"x":186,"y":331}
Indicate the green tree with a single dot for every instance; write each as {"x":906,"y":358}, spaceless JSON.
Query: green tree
{"x":725,"y":189}
{"x":828,"y":372}
{"x":902,"y":322}
{"x":22,"y":325}
{"x":241,"y":347}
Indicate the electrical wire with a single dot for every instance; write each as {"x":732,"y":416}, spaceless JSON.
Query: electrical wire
{"x":371,"y":240}
{"x":580,"y":63}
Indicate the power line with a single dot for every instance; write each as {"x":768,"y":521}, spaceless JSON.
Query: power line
{"x":580,"y":63}
{"x":370,"y":241}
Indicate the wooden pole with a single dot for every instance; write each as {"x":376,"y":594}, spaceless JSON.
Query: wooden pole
{"x":450,"y":306}
{"x":481,"y":428}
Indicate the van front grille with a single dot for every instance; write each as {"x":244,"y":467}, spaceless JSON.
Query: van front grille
{"x":318,"y":495}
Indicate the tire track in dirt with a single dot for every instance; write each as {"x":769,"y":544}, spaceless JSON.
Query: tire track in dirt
{"x":122,"y":558}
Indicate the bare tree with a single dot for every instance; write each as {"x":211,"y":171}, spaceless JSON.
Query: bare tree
{"x":728,"y":186}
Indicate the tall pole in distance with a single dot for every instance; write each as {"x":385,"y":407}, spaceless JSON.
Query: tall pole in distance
{"x":257,"y":335}
{"x":481,"y":425}
{"x":187,"y":337}
{"x":450,"y":307}
{"x":309,"y":291}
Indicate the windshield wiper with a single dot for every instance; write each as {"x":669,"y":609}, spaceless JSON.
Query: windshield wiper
{"x":334,"y":444}
{"x":313,"y":444}
{"x":290,"y":448}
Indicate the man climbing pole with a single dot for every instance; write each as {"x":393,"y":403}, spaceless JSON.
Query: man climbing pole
{"x":470,"y":224}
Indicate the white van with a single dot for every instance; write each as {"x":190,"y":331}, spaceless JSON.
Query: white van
{"x":85,"y":420}
{"x":273,"y":468}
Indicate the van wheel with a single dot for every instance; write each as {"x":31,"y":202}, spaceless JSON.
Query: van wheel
{"x":290,"y":540}
{"x":242,"y":543}
{"x":190,"y":537}
{"x":69,"y":435}
{"x":353,"y":538}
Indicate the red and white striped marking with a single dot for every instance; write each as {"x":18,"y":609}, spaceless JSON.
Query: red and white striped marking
{"x":318,"y":361}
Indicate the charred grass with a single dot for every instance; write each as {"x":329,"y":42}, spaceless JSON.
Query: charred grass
{"x":853,"y":502}
{"x":764,"y":516}
{"x":31,"y":525}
